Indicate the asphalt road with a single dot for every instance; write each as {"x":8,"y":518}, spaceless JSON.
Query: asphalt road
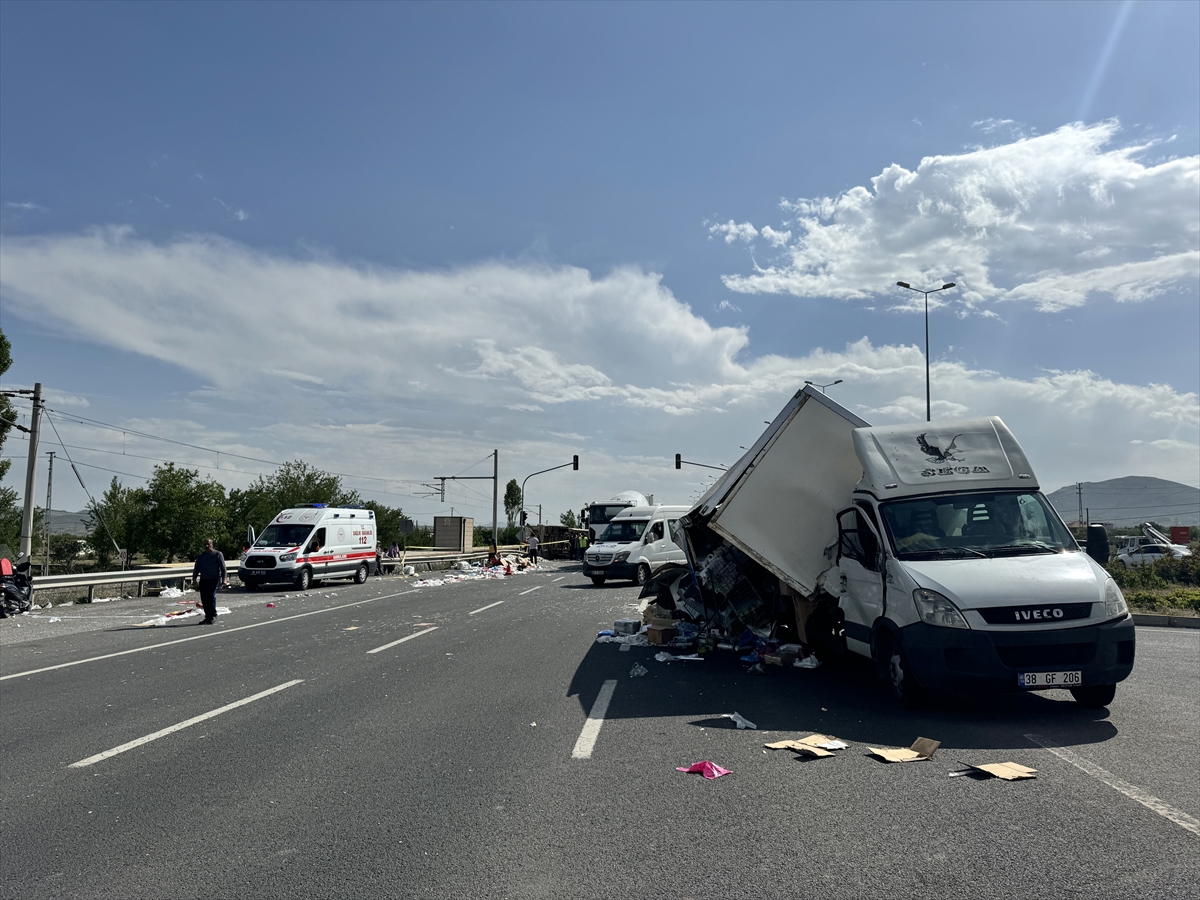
{"x":443,"y":766}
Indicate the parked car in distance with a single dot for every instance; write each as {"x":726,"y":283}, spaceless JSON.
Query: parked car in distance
{"x":1144,"y":554}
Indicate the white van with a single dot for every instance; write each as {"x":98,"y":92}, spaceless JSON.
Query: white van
{"x":309,"y":543}
{"x":637,"y":542}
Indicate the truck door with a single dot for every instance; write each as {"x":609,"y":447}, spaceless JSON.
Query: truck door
{"x":655,"y":549}
{"x":316,"y":553}
{"x":860,"y":559}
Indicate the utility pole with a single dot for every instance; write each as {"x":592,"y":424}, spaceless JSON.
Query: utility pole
{"x":1079,"y":494}
{"x":35,"y":427}
{"x":495,"y":497}
{"x":49,"y":500}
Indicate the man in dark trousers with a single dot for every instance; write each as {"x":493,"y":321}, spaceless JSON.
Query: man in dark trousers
{"x":207,"y":573}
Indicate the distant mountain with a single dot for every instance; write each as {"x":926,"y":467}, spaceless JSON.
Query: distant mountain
{"x":1130,"y":501}
{"x":63,"y":522}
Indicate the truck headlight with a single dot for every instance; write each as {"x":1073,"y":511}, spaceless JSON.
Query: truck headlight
{"x":287,"y":557}
{"x":621,"y":557}
{"x":1114,"y":601}
{"x":935,"y":609}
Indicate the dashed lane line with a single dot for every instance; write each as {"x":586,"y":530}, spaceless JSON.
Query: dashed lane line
{"x":560,"y":578}
{"x":210,"y":634}
{"x":482,"y":608}
{"x":1133,"y":792}
{"x":531,"y":590}
{"x":591,"y":728}
{"x":415,"y":634}
{"x":99,"y":757}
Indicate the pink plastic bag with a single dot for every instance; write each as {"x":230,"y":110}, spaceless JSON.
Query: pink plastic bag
{"x":708,"y":769}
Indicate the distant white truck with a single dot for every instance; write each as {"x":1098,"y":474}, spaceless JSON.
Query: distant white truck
{"x":929,"y":547}
{"x":596,"y":515}
{"x":310,"y":543}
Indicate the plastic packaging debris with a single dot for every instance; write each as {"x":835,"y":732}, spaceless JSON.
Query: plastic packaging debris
{"x":819,"y":745}
{"x":270,"y":606}
{"x":664,"y":656}
{"x":171,"y":593}
{"x":463,"y":566}
{"x":632,"y":640}
{"x":55,"y":619}
{"x":638,"y":670}
{"x":709,"y":770}
{"x":627,"y":626}
{"x":809,"y":662}
{"x":740,"y":721}
{"x":410,"y":570}
{"x":922,"y":748}
{"x":1009,"y":771}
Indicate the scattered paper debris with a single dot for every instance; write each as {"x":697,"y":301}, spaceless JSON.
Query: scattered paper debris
{"x":739,"y":720}
{"x":819,"y":745}
{"x":1009,"y":771}
{"x":664,"y":656}
{"x":922,"y":748}
{"x":55,"y":619}
{"x":709,"y":770}
{"x":809,"y":662}
{"x":638,"y":670}
{"x":171,"y":593}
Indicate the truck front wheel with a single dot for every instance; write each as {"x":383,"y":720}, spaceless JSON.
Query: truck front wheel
{"x":642,"y":575}
{"x":597,"y":580}
{"x":1094,"y":697}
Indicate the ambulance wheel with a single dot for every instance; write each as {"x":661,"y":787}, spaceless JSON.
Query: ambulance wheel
{"x":642,"y":575}
{"x":360,"y":577}
{"x":597,"y":580}
{"x":1094,"y":697}
{"x":303,"y":580}
{"x":905,"y":689}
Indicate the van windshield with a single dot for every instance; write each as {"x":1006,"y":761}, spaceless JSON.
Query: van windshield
{"x":975,"y":524}
{"x":624,"y":531}
{"x":602,"y":515}
{"x":279,"y":535}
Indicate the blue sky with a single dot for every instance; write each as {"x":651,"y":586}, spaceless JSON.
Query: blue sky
{"x":387,"y":238}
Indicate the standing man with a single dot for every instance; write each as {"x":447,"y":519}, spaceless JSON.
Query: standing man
{"x":533,"y":548}
{"x":210,"y":571}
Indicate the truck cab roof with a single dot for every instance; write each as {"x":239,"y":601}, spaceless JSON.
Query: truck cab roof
{"x":939,"y":457}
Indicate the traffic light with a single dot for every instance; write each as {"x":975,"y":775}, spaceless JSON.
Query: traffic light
{"x":522,"y":518}
{"x":575,"y":462}
{"x":679,"y":460}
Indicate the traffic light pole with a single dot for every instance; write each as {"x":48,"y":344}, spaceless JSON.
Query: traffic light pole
{"x":680,"y":462}
{"x":574,"y":463}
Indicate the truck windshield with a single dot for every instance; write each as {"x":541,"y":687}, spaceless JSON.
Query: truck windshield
{"x":624,"y":531}
{"x":972,"y":525}
{"x":602,"y":515}
{"x":277,"y":535}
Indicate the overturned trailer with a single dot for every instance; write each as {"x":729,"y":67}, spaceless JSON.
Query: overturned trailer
{"x":760,"y":542}
{"x":928,"y":548}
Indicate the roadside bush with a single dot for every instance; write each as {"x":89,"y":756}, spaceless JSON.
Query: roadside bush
{"x":1184,"y":598}
{"x":1163,"y":574}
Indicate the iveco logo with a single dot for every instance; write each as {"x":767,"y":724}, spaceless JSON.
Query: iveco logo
{"x":1037,"y":615}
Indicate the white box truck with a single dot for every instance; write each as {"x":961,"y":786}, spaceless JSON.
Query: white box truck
{"x":928,"y":548}
{"x":309,"y":543}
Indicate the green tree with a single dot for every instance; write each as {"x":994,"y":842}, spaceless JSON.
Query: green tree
{"x":390,"y":523}
{"x":116,"y":518}
{"x":293,"y":483}
{"x":181,"y":511}
{"x":64,"y":549}
{"x":512,"y":501}
{"x":568,"y":519}
{"x":10,"y":511}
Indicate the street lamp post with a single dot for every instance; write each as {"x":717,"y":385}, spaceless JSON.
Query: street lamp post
{"x":822,"y":386}
{"x":905,"y":284}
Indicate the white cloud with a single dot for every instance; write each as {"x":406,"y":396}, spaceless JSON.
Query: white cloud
{"x":726,"y":306}
{"x":777,"y":238}
{"x":733,"y":231}
{"x":1028,"y":221}
{"x":26,"y":206}
{"x":415,"y":374}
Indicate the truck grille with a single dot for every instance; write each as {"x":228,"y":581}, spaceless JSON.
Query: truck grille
{"x":600,"y":559}
{"x":1025,"y":614}
{"x":260,"y":562}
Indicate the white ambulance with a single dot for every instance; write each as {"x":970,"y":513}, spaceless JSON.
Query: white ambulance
{"x":309,"y":543}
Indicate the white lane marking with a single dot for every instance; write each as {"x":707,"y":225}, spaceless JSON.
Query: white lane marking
{"x":1133,"y":792}
{"x":482,"y":608}
{"x":531,"y":590}
{"x":198,"y":637}
{"x":415,"y":634}
{"x":182,"y":725}
{"x":560,"y":577}
{"x":591,"y":728}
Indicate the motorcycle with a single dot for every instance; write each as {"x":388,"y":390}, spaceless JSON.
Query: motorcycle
{"x":16,"y":588}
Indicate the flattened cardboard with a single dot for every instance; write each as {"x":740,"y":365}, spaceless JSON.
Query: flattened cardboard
{"x":922,"y":748}
{"x":810,"y":745}
{"x":1009,"y":771}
